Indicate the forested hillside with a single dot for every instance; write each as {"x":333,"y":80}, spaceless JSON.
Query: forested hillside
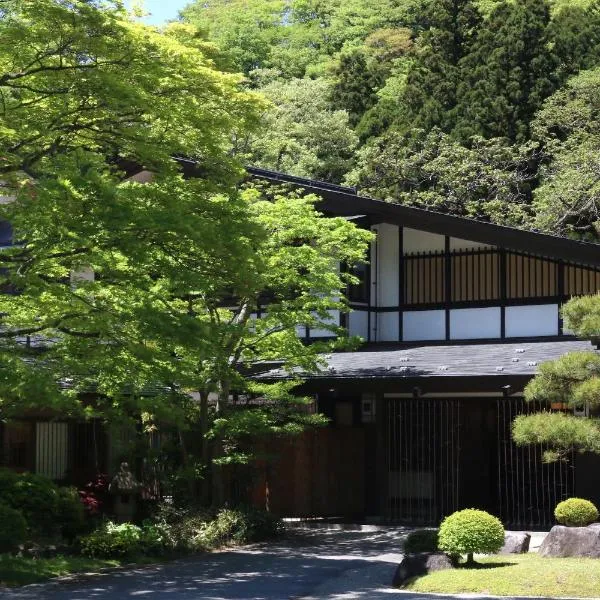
{"x":488,"y":109}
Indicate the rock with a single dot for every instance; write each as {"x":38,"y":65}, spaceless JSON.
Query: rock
{"x":417,"y":565}
{"x":515,"y":543}
{"x":572,"y":541}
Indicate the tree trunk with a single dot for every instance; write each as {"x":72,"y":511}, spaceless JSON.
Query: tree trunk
{"x":205,"y":450}
{"x":218,"y":482}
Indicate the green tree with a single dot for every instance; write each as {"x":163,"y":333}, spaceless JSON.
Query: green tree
{"x":123,"y":285}
{"x":489,"y":180}
{"x":429,"y":96}
{"x":301,"y":134}
{"x":244,"y":31}
{"x":572,"y":380}
{"x":508,"y":72}
{"x":567,"y":200}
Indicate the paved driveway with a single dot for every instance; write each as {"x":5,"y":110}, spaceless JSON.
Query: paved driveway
{"x":315,"y":565}
{"x":308,"y":565}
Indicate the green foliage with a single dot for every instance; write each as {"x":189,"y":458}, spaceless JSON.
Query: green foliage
{"x":573,"y":378}
{"x":429,"y":99}
{"x":582,"y":316}
{"x":181,"y":528}
{"x":469,"y":531}
{"x":13,"y":528}
{"x":124,"y":540}
{"x":561,"y":432}
{"x":422,"y":540}
{"x":301,"y":134}
{"x":507,"y":73}
{"x":70,"y":512}
{"x":240,"y":526}
{"x":36,"y":497}
{"x":488,"y":181}
{"x":567,"y":201}
{"x":576,"y":512}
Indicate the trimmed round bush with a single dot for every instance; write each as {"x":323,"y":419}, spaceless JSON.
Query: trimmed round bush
{"x":421,"y":540}
{"x":469,"y":531}
{"x":13,"y":528}
{"x":576,"y":512}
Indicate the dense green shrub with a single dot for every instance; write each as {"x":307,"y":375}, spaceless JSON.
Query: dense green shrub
{"x":182,"y":527}
{"x":422,"y":540}
{"x":124,"y":540}
{"x":36,"y":497}
{"x":576,"y":512}
{"x":112,"y":541}
{"x":240,"y":526}
{"x":71,"y":513}
{"x":48,"y":508}
{"x":13,"y":528}
{"x":468,"y":531}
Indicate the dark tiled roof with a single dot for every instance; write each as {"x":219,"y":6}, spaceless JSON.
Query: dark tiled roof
{"x":465,"y":360}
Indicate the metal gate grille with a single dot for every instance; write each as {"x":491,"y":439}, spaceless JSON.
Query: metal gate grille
{"x":528,"y":489}
{"x":423,"y":459}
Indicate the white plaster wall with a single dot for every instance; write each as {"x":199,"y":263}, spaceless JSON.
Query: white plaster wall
{"x":82,"y":274}
{"x":475,"y":323}
{"x":424,"y":325}
{"x":458,"y":244}
{"x":142,"y":177}
{"x":333,"y":320}
{"x":388,"y":249}
{"x":526,"y":321}
{"x":358,"y":323}
{"x":51,"y":451}
{"x":388,"y":324}
{"x":414,"y":240}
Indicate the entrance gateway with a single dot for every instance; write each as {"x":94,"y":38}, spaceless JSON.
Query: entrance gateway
{"x":445,"y":454}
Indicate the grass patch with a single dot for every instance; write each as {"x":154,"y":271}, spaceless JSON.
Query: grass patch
{"x":517,"y":575}
{"x":15,"y":570}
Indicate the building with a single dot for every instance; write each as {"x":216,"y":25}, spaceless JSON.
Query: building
{"x":456,"y":316}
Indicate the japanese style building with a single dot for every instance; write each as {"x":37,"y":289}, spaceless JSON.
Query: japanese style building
{"x":456,"y":316}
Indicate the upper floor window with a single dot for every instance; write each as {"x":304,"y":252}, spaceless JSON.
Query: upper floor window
{"x":359,"y":292}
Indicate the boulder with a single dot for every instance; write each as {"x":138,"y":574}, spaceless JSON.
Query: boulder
{"x":515,"y":543}
{"x":572,"y":541}
{"x":417,"y":565}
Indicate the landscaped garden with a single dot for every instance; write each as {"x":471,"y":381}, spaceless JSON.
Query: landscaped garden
{"x":462,"y":557}
{"x":48,"y":531}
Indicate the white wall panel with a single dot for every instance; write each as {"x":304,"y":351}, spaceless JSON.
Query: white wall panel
{"x":388,"y":325}
{"x":475,"y":323}
{"x":414,"y":240}
{"x":388,"y":248}
{"x":424,"y":325}
{"x":334,"y":320}
{"x":358,"y":323}
{"x":525,"y":321}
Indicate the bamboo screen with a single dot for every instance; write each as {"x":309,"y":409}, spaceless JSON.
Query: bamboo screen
{"x":580,"y":280}
{"x":530,"y":277}
{"x":424,"y":279}
{"x":475,"y":276}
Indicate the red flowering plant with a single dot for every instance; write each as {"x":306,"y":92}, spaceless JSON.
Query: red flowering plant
{"x":95,"y":494}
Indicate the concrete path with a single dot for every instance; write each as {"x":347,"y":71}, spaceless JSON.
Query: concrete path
{"x":306,"y":565}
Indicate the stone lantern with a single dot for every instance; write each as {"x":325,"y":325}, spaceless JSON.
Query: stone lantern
{"x":125,"y":489}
